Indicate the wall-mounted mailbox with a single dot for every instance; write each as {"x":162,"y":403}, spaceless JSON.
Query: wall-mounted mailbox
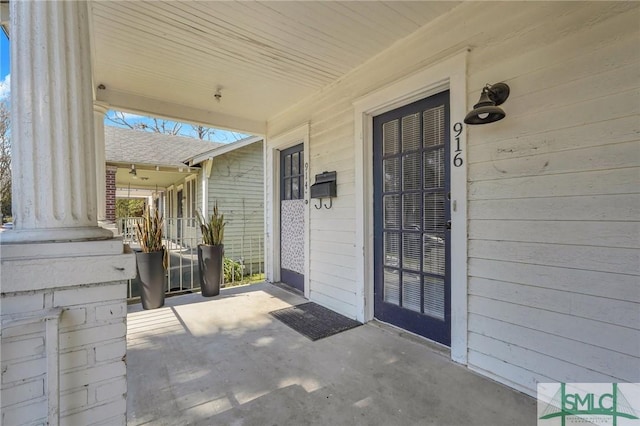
{"x":324,"y":187}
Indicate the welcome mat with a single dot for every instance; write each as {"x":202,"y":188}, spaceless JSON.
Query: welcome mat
{"x":314,"y":321}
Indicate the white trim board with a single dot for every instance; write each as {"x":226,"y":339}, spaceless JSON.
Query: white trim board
{"x":448,"y":74}
{"x":273,"y":147}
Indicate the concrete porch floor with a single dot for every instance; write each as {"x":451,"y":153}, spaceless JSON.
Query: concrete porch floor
{"x":226,"y":361}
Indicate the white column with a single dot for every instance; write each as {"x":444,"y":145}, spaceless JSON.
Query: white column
{"x":99,"y":111}
{"x":54,"y":156}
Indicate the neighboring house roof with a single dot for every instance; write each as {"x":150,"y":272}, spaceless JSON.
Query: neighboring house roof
{"x":140,"y":147}
{"x":220,"y":150}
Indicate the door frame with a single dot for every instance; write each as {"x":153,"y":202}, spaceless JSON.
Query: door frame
{"x":276,"y":144}
{"x":448,"y":74}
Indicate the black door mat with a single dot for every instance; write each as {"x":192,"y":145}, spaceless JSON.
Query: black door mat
{"x":314,"y":321}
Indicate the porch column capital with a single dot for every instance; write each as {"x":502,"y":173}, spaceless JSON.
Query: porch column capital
{"x":54,"y":156}
{"x":101,"y":107}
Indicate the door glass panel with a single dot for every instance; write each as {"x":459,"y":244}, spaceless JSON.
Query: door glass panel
{"x":411,"y":132}
{"x":434,"y":169}
{"x":287,"y":189}
{"x":392,"y":212}
{"x":411,"y":211}
{"x":287,"y":165}
{"x":433,"y":126}
{"x":411,"y":291}
{"x":392,"y":286}
{"x":411,"y":171}
{"x":391,"y":174}
{"x":295,"y":162}
{"x":391,"y":249}
{"x":433,"y":254}
{"x":390,"y":143}
{"x":434,"y":212}
{"x":434,"y":297}
{"x":411,"y":251}
{"x":295,"y":188}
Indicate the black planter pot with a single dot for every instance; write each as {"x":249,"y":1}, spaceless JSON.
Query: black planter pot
{"x":210,"y":260}
{"x":151,"y":276}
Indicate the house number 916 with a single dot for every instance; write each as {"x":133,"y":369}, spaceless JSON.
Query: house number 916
{"x":457,"y":158}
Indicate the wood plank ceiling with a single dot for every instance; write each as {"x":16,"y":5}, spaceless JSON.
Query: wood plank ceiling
{"x":265,"y":55}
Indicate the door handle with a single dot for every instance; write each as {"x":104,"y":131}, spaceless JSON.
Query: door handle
{"x":448,"y":224}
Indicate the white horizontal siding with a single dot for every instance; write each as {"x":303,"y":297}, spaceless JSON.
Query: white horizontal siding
{"x":553,"y":191}
{"x":583,"y":233}
{"x":575,"y":281}
{"x":554,"y":259}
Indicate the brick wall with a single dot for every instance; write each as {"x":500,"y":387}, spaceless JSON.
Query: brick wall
{"x":111,"y":194}
{"x":92,"y":348}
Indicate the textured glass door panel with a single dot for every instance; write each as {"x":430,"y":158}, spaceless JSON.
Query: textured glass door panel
{"x":411,"y":291}
{"x":433,"y":127}
{"x":390,"y":140}
{"x":391,"y":174}
{"x":411,"y":211}
{"x":434,"y":169}
{"x":434,"y":214}
{"x":392,"y":212}
{"x":434,"y":297}
{"x":392,"y":249}
{"x":411,"y":171}
{"x":411,"y":251}
{"x":433,"y":254}
{"x":392,"y":286}
{"x":411,"y":133}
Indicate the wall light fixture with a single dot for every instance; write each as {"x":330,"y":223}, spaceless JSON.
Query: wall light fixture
{"x":487,"y":110}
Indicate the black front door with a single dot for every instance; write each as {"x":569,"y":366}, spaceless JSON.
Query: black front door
{"x":411,"y":217}
{"x":292,"y":217}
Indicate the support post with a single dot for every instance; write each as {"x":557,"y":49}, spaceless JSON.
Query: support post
{"x":54,"y":156}
{"x":99,"y":111}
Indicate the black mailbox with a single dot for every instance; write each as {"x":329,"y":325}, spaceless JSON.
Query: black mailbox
{"x":325,"y":185}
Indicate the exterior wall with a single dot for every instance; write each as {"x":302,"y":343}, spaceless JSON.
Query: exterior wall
{"x":93,"y":383}
{"x":553,"y":237}
{"x":63,"y":340}
{"x":237,"y":185}
{"x":111,"y":193}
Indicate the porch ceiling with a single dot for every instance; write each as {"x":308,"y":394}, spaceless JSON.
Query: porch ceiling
{"x":168,"y":58}
{"x":148,"y":178}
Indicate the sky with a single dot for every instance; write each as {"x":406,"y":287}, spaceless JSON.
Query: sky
{"x":186,"y":130}
{"x":4,"y":65}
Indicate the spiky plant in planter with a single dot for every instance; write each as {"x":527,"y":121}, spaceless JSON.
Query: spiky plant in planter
{"x":150,"y":261}
{"x":213,"y":229}
{"x":149,"y":232}
{"x":211,"y":252}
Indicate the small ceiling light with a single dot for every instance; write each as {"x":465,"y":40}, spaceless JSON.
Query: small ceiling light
{"x":487,"y":110}
{"x":218,"y":94}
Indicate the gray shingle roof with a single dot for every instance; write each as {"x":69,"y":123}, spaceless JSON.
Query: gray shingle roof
{"x":140,"y":147}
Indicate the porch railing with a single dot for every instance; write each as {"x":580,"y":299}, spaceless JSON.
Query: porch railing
{"x":244,"y":256}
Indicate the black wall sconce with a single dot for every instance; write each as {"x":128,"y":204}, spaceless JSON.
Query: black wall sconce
{"x":325,"y":186}
{"x":487,"y":110}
